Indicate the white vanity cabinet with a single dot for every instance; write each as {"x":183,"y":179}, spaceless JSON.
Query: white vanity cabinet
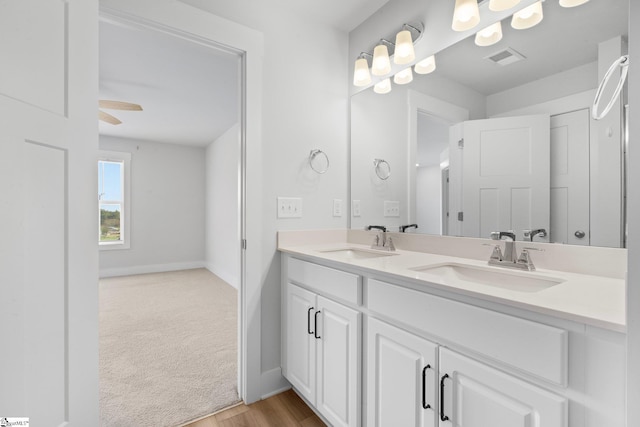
{"x":323,"y":354}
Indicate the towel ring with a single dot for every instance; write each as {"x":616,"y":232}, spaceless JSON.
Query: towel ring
{"x":319,"y":161}
{"x":383,"y":169}
{"x":622,"y":62}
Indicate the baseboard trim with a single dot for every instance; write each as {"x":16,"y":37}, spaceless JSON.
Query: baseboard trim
{"x":273,"y":383}
{"x":229,"y":277}
{"x":152,"y":268}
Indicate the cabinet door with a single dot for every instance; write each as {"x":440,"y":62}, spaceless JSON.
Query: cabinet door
{"x":301,"y":354}
{"x":401,"y":378}
{"x":475,"y":395}
{"x":338,"y":363}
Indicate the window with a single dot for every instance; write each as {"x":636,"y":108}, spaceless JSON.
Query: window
{"x":113,"y":200}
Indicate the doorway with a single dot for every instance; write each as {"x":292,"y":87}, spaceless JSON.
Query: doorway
{"x":172,"y":145}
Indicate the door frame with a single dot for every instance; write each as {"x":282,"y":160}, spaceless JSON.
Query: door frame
{"x":180,"y":20}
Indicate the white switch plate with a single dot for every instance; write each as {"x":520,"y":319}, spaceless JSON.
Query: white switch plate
{"x":355,"y":207}
{"x":337,"y":207}
{"x":391,"y":208}
{"x":289,"y":207}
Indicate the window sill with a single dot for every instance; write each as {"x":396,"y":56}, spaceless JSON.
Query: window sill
{"x":113,"y":246}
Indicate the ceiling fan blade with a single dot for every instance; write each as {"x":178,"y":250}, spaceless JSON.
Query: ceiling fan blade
{"x":119,"y":105}
{"x":105,"y":117}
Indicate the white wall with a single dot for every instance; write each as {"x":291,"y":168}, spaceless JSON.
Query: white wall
{"x":222,"y":247}
{"x":167,"y":208}
{"x":429,"y":199}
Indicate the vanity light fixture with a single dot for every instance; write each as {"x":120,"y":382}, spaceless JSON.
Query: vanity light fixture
{"x":527,"y":17}
{"x":383,"y":86}
{"x":361,"y":75}
{"x":381,"y":65}
{"x":426,"y":66}
{"x":572,"y":3}
{"x":404,"y":52}
{"x":500,"y":5}
{"x":490,"y":35}
{"x":403,"y":77}
{"x":466,"y":15}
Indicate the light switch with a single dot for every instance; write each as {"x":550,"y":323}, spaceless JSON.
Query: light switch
{"x":391,"y":208}
{"x":355,"y":208}
{"x":337,"y":207}
{"x":289,"y":207}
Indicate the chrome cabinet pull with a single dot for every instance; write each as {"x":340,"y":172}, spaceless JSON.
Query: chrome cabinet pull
{"x":443,"y":417}
{"x":580,"y":234}
{"x":425,"y":405}
{"x":309,"y":321}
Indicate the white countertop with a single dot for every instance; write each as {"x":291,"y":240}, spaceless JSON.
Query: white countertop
{"x":588,"y":299}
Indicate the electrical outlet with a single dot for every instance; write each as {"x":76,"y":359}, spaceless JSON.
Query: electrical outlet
{"x":289,"y":207}
{"x":355,"y":207}
{"x":337,"y":207}
{"x":391,"y":209}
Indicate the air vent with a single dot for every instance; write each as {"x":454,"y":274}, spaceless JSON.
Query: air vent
{"x":505,"y":57}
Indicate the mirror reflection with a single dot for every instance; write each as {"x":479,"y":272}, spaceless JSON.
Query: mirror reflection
{"x":501,"y":137}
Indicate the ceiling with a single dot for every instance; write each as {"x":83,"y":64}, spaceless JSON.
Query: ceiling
{"x":189,"y":92}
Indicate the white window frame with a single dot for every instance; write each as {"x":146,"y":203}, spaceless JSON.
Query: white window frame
{"x":125,"y":213}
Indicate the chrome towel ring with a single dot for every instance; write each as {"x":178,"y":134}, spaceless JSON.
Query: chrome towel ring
{"x":319,"y":161}
{"x":383,"y":169}
{"x":622,"y":62}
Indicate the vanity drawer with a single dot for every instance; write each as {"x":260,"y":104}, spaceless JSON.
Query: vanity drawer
{"x":325,"y":280}
{"x":528,"y":346}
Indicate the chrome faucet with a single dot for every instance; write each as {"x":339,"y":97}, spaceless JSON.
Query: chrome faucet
{"x":403,"y":228}
{"x":510,"y":258}
{"x":533,"y":233}
{"x":381,"y":240}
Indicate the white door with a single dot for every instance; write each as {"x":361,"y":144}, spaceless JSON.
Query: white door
{"x":505,"y":177}
{"x":401,"y":377}
{"x":476,"y":395}
{"x":48,"y":250}
{"x":570,"y":178}
{"x":301,"y":342}
{"x":338,"y":363}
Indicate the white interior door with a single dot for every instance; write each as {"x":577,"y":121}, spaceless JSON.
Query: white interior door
{"x":505,"y":178}
{"x":570,"y":178}
{"x":48,"y":251}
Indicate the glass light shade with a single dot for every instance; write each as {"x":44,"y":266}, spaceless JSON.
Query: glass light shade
{"x":404,"y":52}
{"x":361,"y":76}
{"x":466,"y":15}
{"x":490,"y":35}
{"x":527,"y":17}
{"x":381,"y":64}
{"x":426,"y":66}
{"x":572,"y":3}
{"x":403,"y":77}
{"x":499,"y":5}
{"x":383,"y":87}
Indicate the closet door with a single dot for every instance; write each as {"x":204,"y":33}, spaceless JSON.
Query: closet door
{"x":401,"y":377}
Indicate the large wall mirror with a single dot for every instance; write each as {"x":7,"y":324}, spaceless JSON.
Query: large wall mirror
{"x":501,"y":137}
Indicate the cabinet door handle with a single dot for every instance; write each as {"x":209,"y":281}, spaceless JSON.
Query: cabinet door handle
{"x":425,"y":405}
{"x":309,"y":331}
{"x":315,"y":332}
{"x":443,"y":417}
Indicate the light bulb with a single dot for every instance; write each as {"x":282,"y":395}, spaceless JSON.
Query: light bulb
{"x":572,"y":3}
{"x":466,"y":15}
{"x":499,"y":5}
{"x":527,"y":17}
{"x":383,"y":86}
{"x":361,"y":76}
{"x":490,"y":35}
{"x":403,"y":77}
{"x":426,"y":66}
{"x":404,"y":52}
{"x":381,"y":64}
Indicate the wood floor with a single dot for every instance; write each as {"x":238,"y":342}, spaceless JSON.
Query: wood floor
{"x":282,"y":410}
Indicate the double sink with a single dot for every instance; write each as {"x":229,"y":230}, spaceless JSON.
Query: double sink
{"x":453,"y":273}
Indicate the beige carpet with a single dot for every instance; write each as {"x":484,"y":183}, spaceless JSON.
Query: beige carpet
{"x":168,"y":348}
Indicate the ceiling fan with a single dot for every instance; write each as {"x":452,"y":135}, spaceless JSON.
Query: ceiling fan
{"x":115,"y":105}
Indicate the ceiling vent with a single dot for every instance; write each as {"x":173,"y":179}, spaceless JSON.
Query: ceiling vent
{"x":505,"y":57}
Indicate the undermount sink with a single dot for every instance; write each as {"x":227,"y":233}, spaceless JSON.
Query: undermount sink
{"x":357,"y":253}
{"x":452,"y":273}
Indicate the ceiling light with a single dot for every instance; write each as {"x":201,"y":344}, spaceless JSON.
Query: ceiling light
{"x":572,"y":3}
{"x":361,"y":76}
{"x":527,"y":17}
{"x":426,"y":66}
{"x":404,"y":52}
{"x":403,"y":77}
{"x":383,"y":86}
{"x":466,"y":15}
{"x":490,"y":35}
{"x":381,"y":64}
{"x":500,"y":5}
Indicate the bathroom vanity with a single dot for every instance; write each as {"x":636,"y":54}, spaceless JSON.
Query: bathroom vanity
{"x":419,"y":337}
